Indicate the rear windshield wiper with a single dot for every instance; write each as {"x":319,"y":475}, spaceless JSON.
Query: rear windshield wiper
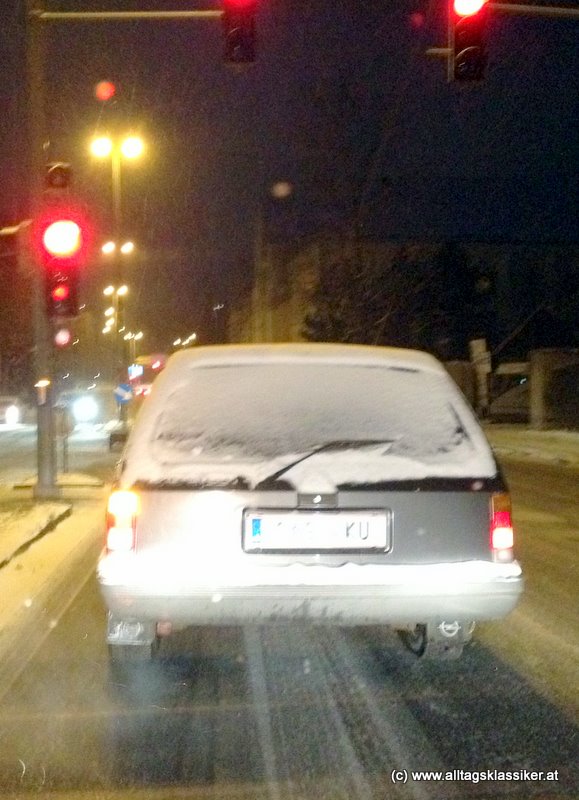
{"x":239,"y":483}
{"x":338,"y":444}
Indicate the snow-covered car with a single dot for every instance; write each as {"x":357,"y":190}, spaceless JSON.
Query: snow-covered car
{"x":338,"y":484}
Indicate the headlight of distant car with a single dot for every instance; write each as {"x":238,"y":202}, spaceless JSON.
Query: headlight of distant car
{"x":85,"y":409}
{"x":12,"y":415}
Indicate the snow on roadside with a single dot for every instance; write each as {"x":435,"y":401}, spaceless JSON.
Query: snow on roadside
{"x":19,"y":527}
{"x":22,"y":519}
{"x":521,"y":442}
{"x":38,"y":586}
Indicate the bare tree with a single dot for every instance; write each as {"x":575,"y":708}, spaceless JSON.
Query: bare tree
{"x":395,"y":302}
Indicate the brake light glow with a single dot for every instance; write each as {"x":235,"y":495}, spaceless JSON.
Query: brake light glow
{"x":122,"y":512}
{"x":501,"y":532}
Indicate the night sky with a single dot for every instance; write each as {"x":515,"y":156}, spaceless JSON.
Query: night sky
{"x":342,"y":103}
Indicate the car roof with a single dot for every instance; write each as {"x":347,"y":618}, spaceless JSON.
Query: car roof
{"x":233,"y":354}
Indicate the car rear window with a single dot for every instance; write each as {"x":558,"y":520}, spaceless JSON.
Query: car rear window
{"x":269,"y":410}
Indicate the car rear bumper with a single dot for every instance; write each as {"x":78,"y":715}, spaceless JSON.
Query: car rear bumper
{"x":392,"y":595}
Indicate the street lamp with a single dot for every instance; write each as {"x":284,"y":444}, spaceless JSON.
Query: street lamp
{"x":132,"y":339}
{"x":184,"y":342}
{"x":110,"y":247}
{"x":115,"y":319}
{"x":128,"y":148}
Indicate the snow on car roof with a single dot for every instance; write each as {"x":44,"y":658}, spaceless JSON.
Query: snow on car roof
{"x":326,"y":352}
{"x":220,"y":412}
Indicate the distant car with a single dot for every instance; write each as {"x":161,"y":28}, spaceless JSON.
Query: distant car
{"x":343,"y":485}
{"x":119,"y":434}
{"x":11,"y":410}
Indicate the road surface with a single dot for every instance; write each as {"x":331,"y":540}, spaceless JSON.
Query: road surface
{"x":294,"y":712}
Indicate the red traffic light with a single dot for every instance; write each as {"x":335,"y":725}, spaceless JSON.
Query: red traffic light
{"x":466,"y":8}
{"x":60,"y":292}
{"x":467,"y":40}
{"x":61,"y":235}
{"x":62,"y":238}
{"x":239,"y":31}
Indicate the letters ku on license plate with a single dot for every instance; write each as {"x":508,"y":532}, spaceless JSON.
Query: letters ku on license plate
{"x":320,"y":530}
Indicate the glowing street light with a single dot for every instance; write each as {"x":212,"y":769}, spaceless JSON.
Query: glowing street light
{"x":110,"y":247}
{"x":132,"y":147}
{"x":101,"y":147}
{"x":129,"y":148}
{"x":121,"y":290}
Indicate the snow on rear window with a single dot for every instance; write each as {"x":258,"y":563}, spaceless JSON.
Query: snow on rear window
{"x":263,"y":411}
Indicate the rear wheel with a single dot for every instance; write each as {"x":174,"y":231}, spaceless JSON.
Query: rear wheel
{"x":444,"y":641}
{"x":415,"y":640}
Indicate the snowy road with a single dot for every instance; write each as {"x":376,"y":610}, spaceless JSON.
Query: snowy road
{"x":303,"y":714}
{"x":279,"y":713}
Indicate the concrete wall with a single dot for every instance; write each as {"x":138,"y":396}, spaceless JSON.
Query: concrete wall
{"x":554,"y":381}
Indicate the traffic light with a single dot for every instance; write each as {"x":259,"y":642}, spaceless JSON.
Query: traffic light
{"x":62,"y":243}
{"x":57,"y":178}
{"x":60,"y":240}
{"x":467,"y":34}
{"x":239,"y":31}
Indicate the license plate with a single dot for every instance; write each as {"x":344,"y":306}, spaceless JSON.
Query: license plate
{"x":337,"y":531}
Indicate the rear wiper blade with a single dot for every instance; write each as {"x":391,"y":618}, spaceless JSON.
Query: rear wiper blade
{"x":337,"y":444}
{"x":239,"y":483}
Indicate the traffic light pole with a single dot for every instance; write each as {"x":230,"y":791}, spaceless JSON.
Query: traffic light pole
{"x":46,"y":484}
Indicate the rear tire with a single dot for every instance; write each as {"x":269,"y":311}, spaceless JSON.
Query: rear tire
{"x":431,"y":643}
{"x":415,"y":640}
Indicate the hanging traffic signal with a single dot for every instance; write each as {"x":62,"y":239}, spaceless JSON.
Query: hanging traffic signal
{"x":467,"y":35}
{"x":239,"y":31}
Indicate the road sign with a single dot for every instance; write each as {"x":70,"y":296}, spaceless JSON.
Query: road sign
{"x":123,"y":393}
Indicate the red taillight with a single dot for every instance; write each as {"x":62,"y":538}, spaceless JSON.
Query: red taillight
{"x":501,"y":533}
{"x":122,"y":512}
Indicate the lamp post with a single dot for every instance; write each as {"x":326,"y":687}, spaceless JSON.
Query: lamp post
{"x":115,"y":323}
{"x":132,"y":339}
{"x":129,"y":148}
